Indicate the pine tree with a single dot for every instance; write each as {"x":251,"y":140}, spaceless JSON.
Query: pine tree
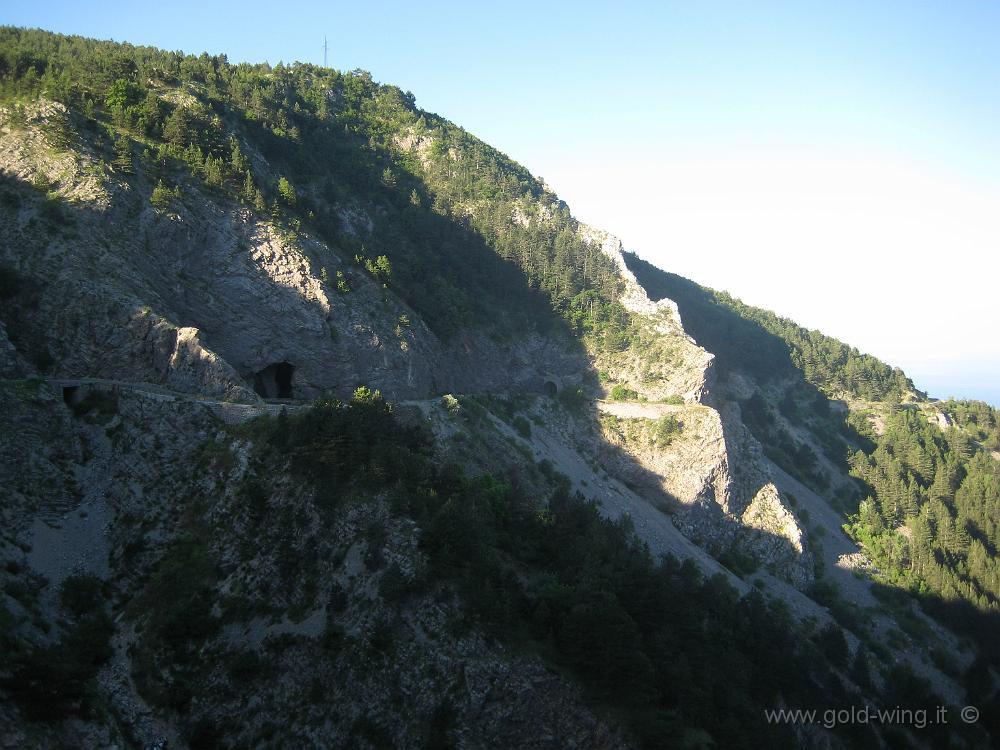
{"x":177,"y":129}
{"x":910,"y":501}
{"x":212,"y":170}
{"x":962,"y":537}
{"x":940,"y":488}
{"x":259,"y":203}
{"x":860,"y":671}
{"x":959,"y":444}
{"x":123,"y":156}
{"x":249,"y":189}
{"x":163,"y":197}
{"x":237,"y":161}
{"x":286,"y":191}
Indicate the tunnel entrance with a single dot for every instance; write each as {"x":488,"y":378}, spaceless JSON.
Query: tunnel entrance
{"x":275,"y":380}
{"x":550,"y":389}
{"x":71,"y":395}
{"x":283,"y":379}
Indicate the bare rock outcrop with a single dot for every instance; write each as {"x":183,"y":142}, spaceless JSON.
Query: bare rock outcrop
{"x":668,"y":363}
{"x":714,"y":471}
{"x":713,"y":478}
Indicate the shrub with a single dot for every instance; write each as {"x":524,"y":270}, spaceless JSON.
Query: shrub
{"x":244,"y":665}
{"x":342,"y":286}
{"x":622,"y":393}
{"x":365,"y":395}
{"x":53,"y":212}
{"x":163,"y":198}
{"x":739,"y":562}
{"x":287,"y":191}
{"x":667,"y":427}
{"x":180,"y":596}
{"x":393,"y":585}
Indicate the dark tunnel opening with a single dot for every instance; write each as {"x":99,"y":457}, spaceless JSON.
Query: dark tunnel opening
{"x":71,"y":395}
{"x":283,"y":378}
{"x":275,"y":381}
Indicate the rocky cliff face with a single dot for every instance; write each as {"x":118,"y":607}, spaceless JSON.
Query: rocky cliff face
{"x":668,"y":363}
{"x":714,"y":470}
{"x":206,"y":296}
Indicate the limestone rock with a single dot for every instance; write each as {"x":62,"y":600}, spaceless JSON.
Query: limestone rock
{"x":126,"y":287}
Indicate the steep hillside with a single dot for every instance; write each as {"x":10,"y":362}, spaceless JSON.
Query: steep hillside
{"x":918,"y":479}
{"x":326,"y":424}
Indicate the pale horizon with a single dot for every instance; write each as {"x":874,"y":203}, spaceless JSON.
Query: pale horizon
{"x":728,"y":222}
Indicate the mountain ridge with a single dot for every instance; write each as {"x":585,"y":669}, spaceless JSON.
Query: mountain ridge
{"x":245,"y":236}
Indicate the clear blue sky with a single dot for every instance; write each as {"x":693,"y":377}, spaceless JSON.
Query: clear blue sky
{"x":836,"y":162}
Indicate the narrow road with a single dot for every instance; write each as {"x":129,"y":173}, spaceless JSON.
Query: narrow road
{"x":230,"y":412}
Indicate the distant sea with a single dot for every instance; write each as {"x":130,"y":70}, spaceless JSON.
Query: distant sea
{"x":972,"y":384}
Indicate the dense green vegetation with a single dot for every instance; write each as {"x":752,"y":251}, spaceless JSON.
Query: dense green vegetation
{"x":930,"y":524}
{"x":471,"y":236}
{"x":667,"y":427}
{"x":978,"y":420}
{"x":623,"y":393}
{"x":932,"y":519}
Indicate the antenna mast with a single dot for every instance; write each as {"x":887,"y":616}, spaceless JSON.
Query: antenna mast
{"x":324,"y":51}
